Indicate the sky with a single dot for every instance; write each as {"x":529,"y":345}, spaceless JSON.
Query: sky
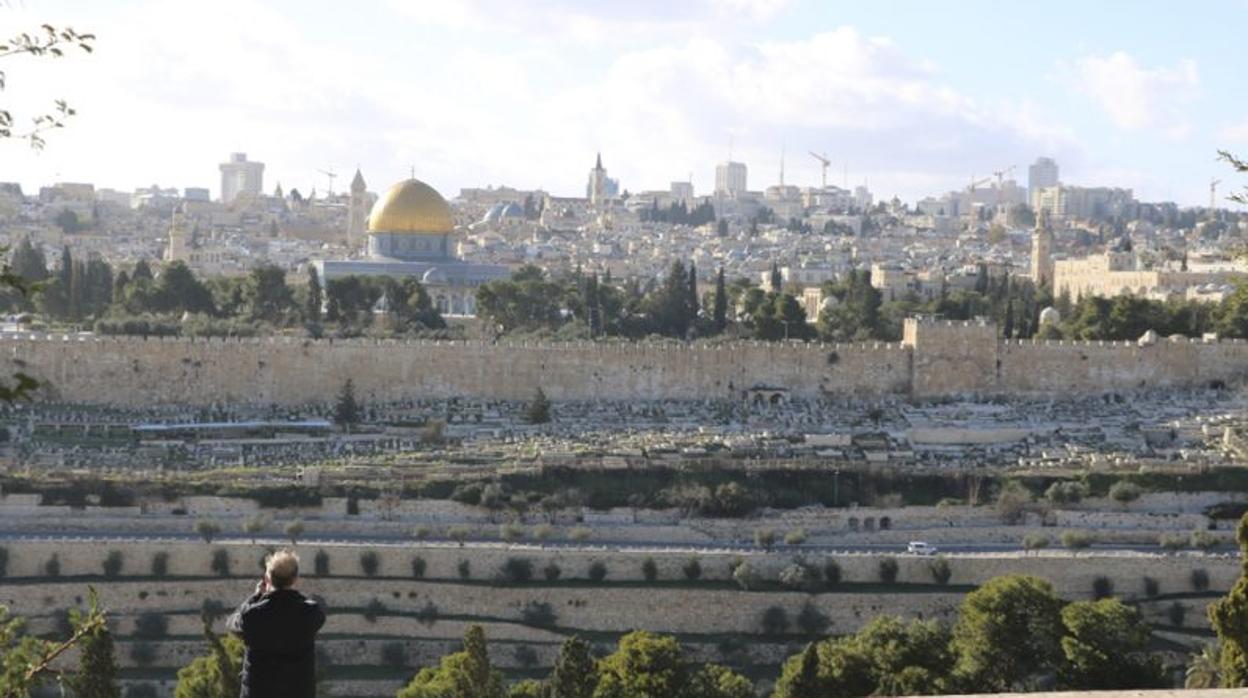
{"x":911,"y":97}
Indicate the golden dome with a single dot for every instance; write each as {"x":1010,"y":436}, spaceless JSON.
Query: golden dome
{"x":411,"y":206}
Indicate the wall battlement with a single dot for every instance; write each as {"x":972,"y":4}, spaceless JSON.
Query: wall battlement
{"x":935,"y":359}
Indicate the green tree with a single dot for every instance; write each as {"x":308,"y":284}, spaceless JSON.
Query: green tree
{"x":1106,"y":648}
{"x":346,"y":409}
{"x":1229,"y":618}
{"x":268,"y":298}
{"x":464,"y":674}
{"x":1124,"y":493}
{"x":315,"y":298}
{"x":207,"y":529}
{"x":26,"y":661}
{"x":28,"y":262}
{"x":1007,"y":632}
{"x":215,"y":675}
{"x":97,"y":667}
{"x":538,"y":409}
{"x":647,"y":665}
{"x":575,"y":674}
{"x":800,"y":677}
{"x":719,"y":308}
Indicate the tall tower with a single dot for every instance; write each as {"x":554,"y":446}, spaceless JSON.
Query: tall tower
{"x":1040,"y":175}
{"x":597,"y":187}
{"x":1042,"y":251}
{"x":178,"y":248}
{"x":357,"y":210}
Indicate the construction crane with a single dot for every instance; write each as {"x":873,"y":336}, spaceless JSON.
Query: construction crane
{"x":824,"y":162}
{"x":970,"y":193}
{"x":1213,"y":193}
{"x":1000,"y":175}
{"x":331,"y":175}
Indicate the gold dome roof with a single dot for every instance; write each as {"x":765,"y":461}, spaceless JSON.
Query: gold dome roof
{"x":411,"y":206}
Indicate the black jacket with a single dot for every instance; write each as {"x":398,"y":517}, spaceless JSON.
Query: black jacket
{"x":279,"y":629}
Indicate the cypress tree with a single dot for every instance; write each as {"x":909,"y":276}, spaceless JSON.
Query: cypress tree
{"x":720,"y":313}
{"x":97,"y":668}
{"x":575,"y":674}
{"x":776,"y":279}
{"x":315,"y":296}
{"x":1229,"y":618}
{"x":692,"y":299}
{"x":347,"y":410}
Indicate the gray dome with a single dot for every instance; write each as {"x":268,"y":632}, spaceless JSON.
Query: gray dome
{"x":1050,"y":316}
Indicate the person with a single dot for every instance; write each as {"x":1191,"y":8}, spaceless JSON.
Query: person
{"x":278,"y":626}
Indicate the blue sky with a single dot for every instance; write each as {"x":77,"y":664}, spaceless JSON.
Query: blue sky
{"x":912,"y":96}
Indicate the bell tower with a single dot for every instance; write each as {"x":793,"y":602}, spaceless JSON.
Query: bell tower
{"x":357,"y":211}
{"x":1042,"y":251}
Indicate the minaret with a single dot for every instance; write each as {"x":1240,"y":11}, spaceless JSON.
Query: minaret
{"x":357,"y":211}
{"x":178,"y":247}
{"x":1042,"y":251}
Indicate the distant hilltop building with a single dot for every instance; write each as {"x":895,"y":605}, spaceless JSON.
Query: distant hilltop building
{"x":730,"y":178}
{"x":410,"y":231}
{"x":1066,"y":202}
{"x":1040,"y":175}
{"x":240,"y":176}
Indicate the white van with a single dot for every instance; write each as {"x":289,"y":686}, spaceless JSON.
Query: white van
{"x":918,"y":547}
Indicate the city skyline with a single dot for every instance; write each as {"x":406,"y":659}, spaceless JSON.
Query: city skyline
{"x":526,"y":99}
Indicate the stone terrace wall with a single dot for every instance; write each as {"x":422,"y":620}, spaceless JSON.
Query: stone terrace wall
{"x":1054,"y":367}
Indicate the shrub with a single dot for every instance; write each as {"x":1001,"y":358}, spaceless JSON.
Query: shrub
{"x":160,"y":564}
{"x":220,"y":563}
{"x":543,"y":532}
{"x":941,"y":571}
{"x":1151,"y":587}
{"x":418,"y":567}
{"x":552,"y":571}
{"x":151,"y":625}
{"x":1035,"y":541}
{"x":1125,"y":492}
{"x":1077,"y":540}
{"x":649,"y":569}
{"x":516,"y":570}
{"x":1102,"y":588}
{"x":795,"y":537}
{"x":320,"y":564}
{"x":692,"y":569}
{"x":112,"y":564}
{"x":1171,"y":542}
{"x":831,"y":573}
{"x":427,"y":615}
{"x":1176,"y":613}
{"x":373,"y":610}
{"x":511,"y":531}
{"x":888,"y":570}
{"x":747,"y":577}
{"x":525,"y":656}
{"x":1065,"y":493}
{"x":800,"y":577}
{"x":52,"y":567}
{"x":580,"y":534}
{"x":369,"y":562}
{"x":1203,"y":541}
{"x":464,"y":569}
{"x":538,"y":614}
{"x":142,"y":653}
{"x":457,"y":533}
{"x":597,"y":571}
{"x":422,"y":532}
{"x":765,"y":538}
{"x":811,"y":620}
{"x":394,"y":654}
{"x":1200,"y":580}
{"x":775,"y":620}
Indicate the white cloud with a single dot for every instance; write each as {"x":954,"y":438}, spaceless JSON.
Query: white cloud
{"x":1234,"y":133}
{"x":1136,"y":97}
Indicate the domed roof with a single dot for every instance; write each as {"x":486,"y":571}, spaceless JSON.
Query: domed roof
{"x":1050,"y":316}
{"x":411,"y":206}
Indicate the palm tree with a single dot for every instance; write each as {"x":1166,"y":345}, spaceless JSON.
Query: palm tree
{"x":1205,"y":669}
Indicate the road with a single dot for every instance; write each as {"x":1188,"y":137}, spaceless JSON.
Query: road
{"x":362,"y":540}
